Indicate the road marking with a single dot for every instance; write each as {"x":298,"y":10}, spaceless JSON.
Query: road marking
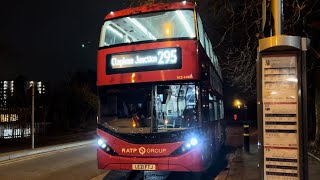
{"x":11,"y":161}
{"x":101,"y":176}
{"x":314,"y":156}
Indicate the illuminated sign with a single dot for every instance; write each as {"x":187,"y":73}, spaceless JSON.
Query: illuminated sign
{"x":148,"y":60}
{"x":143,"y":150}
{"x":280,"y":92}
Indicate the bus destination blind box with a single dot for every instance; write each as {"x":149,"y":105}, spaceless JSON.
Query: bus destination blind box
{"x":147,"y":60}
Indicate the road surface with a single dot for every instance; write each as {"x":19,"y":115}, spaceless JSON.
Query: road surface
{"x":76,"y":163}
{"x":80,"y":163}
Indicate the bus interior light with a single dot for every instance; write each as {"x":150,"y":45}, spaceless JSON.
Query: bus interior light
{"x":168,"y":29}
{"x":185,"y":23}
{"x":142,"y":28}
{"x":115,"y":31}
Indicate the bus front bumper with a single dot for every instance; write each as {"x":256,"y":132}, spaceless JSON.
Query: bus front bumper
{"x":191,"y":161}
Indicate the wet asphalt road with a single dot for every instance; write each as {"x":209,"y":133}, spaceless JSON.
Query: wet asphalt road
{"x":77,"y":163}
{"x":80,"y":163}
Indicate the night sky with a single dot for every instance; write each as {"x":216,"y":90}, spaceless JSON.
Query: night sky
{"x":43,"y":39}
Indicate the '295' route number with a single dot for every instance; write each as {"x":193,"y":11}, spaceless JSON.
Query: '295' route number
{"x":167,"y":56}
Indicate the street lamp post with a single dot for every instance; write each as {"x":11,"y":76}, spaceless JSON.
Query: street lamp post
{"x":32,"y":118}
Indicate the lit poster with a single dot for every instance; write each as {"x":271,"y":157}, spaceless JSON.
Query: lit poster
{"x":280,"y":117}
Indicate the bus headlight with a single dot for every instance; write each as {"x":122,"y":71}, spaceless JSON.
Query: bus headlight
{"x":193,"y":141}
{"x":186,"y":147}
{"x":102,"y":144}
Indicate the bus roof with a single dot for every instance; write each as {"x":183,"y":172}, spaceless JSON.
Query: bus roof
{"x":150,"y":8}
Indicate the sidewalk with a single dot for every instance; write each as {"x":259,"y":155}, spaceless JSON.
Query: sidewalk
{"x":244,"y":166}
{"x":241,"y":165}
{"x":314,"y":167}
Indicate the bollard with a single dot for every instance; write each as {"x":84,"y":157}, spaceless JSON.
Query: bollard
{"x":246,"y":137}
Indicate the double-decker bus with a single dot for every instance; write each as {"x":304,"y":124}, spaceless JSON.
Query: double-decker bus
{"x":160,"y":91}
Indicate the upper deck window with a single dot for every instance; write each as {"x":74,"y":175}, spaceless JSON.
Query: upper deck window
{"x":148,"y":27}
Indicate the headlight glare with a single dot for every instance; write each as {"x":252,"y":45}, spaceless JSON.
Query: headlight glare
{"x":102,"y":144}
{"x":193,"y":141}
{"x":186,"y":146}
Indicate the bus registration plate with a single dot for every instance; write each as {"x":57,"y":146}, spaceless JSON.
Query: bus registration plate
{"x":149,"y":167}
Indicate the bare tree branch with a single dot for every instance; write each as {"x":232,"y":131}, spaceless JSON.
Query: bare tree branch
{"x":235,"y":28}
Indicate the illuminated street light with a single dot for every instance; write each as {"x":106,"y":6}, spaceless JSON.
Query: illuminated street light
{"x":237,"y":103}
{"x":168,"y":29}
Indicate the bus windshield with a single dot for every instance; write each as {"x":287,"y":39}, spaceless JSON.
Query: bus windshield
{"x":149,"y":109}
{"x":148,"y":27}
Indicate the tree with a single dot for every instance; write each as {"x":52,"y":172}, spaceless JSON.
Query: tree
{"x":74,"y":103}
{"x":234,"y":27}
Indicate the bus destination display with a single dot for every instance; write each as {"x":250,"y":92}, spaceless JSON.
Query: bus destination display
{"x":156,"y":59}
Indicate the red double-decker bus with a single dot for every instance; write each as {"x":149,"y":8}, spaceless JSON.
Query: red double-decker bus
{"x":160,"y":91}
